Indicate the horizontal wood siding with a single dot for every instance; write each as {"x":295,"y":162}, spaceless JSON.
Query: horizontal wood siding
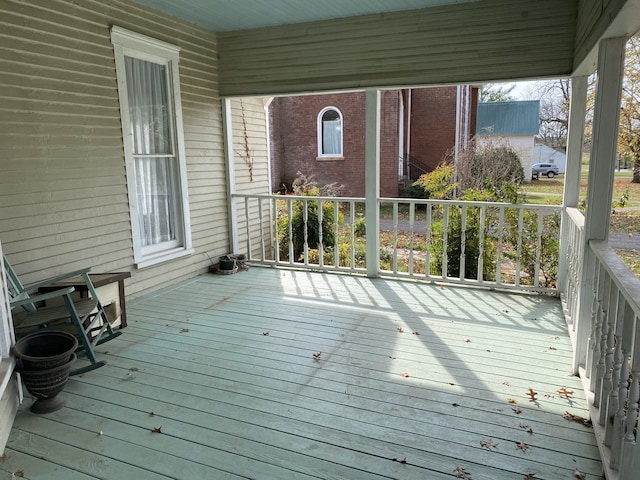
{"x":250,"y":133}
{"x":594,"y":16}
{"x":63,"y":195}
{"x":479,"y":41}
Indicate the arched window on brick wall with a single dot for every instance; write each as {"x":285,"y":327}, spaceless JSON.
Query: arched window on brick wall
{"x":330,"y":132}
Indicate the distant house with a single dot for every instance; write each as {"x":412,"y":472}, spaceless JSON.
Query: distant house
{"x":516,"y":122}
{"x":544,"y":154}
{"x":323,"y":135}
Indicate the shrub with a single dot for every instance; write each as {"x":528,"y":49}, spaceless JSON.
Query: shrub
{"x":437,"y":184}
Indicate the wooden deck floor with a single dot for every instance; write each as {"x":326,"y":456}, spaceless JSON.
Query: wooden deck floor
{"x":412,"y":381}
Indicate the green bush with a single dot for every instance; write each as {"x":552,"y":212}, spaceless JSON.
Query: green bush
{"x":437,"y":184}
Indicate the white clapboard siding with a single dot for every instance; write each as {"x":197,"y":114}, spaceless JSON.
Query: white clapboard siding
{"x":477,"y":41}
{"x":63,"y":195}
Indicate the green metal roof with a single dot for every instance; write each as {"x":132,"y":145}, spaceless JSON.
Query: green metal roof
{"x":509,"y":118}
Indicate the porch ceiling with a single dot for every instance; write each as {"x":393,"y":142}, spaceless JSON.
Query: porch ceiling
{"x":229,"y":15}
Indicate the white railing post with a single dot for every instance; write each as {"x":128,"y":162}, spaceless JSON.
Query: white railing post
{"x":372,"y":180}
{"x":227,"y":128}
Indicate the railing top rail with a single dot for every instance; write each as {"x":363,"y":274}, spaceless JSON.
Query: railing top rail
{"x":417,"y":201}
{"x":576,"y":216}
{"x":298,"y":197}
{"x":427,"y":201}
{"x":626,"y":282}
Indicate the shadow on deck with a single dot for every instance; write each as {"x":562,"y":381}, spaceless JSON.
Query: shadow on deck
{"x":275,"y":374}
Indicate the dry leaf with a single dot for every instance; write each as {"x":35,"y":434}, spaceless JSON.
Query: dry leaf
{"x":405,"y":374}
{"x":532,"y":395}
{"x":462,"y":473}
{"x":184,"y":330}
{"x":134,"y":369}
{"x":517,"y":410}
{"x":468,"y":340}
{"x":403,"y":461}
{"x":400,"y":329}
{"x":393,"y":358}
{"x":455,"y":404}
{"x":488,"y":444}
{"x":316,"y":356}
{"x":157,"y":430}
{"x":19,"y":473}
{"x":266,"y":334}
{"x":522,"y":446}
{"x":577,"y":418}
{"x":512,"y":400}
{"x":563,"y":392}
{"x":579,"y":475}
{"x":415,"y":333}
{"x":529,"y":476}
{"x":152,"y":413}
{"x":527,"y":428}
{"x":506,"y":382}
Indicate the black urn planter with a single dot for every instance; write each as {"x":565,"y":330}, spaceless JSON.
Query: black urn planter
{"x":45,"y":360}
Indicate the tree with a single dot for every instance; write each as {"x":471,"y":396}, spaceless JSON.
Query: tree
{"x":629,"y":135}
{"x":494,"y":92}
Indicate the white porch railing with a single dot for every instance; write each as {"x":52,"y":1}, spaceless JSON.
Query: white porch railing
{"x":612,"y":373}
{"x":491,"y":244}
{"x":573,"y":236}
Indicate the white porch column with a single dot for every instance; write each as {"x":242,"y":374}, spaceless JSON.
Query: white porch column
{"x":372,"y":180}
{"x":601,"y":174}
{"x":227,"y":128}
{"x":573,"y":167}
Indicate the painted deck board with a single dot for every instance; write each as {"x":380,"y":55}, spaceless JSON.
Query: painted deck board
{"x":225,"y":366}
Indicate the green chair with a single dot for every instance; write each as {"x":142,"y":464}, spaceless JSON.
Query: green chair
{"x":84,"y":317}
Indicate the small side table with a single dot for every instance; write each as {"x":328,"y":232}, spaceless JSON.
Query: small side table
{"x":98,"y":280}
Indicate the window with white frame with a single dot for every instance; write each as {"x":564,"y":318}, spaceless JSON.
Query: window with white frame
{"x":149,"y":92}
{"x":330,"y":132}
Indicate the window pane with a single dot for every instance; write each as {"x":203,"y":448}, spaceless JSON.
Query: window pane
{"x":148,"y":107}
{"x":331,"y":133}
{"x":155,"y":199}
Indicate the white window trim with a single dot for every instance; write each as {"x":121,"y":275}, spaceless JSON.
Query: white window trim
{"x":322,"y":155}
{"x":126,"y":42}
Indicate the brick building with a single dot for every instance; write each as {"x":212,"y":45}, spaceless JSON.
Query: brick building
{"x":324,"y":135}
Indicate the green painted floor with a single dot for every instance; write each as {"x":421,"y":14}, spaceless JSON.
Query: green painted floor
{"x":277,"y":374}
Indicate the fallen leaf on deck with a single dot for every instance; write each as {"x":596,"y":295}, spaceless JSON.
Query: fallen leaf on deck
{"x":405,"y":374}
{"x":156,"y":430}
{"x":400,"y":329}
{"x":462,"y":473}
{"x":468,"y":340}
{"x":563,"y":392}
{"x":19,"y":473}
{"x":455,"y":404}
{"x":512,"y":400}
{"x":577,"y":418}
{"x":529,"y":476}
{"x":152,"y":413}
{"x":506,"y":382}
{"x":134,"y":369}
{"x":517,"y":410}
{"x":579,"y":475}
{"x":488,"y":444}
{"x":403,"y":461}
{"x":526,"y":427}
{"x":266,"y":334}
{"x":316,"y":356}
{"x":415,"y":333}
{"x":531,"y":394}
{"x":3,"y":458}
{"x":522,"y":446}
{"x":393,"y":358}
{"x":553,"y":348}
{"x":441,"y":287}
